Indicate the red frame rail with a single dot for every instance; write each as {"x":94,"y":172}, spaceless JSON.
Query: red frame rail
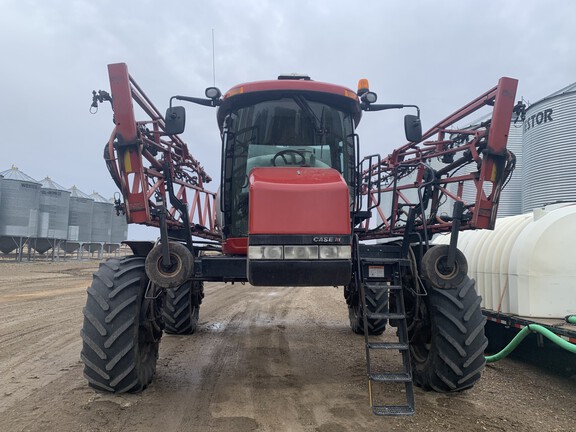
{"x":139,"y":152}
{"x":404,"y":176}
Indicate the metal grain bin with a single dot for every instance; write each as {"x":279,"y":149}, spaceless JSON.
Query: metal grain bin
{"x":19,"y":204}
{"x":511,"y":196}
{"x":102,"y":220}
{"x":549,"y":150}
{"x":54,"y":214}
{"x":80,"y":216}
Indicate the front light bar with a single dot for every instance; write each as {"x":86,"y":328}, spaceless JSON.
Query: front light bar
{"x":327,"y":252}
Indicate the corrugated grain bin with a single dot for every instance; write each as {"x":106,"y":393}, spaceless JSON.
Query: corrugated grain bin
{"x":549,"y":150}
{"x":525,"y":266}
{"x":102,"y":219}
{"x":54,"y":210}
{"x":20,"y":201}
{"x":511,"y":196}
{"x":80,"y":216}
{"x":53,"y":216}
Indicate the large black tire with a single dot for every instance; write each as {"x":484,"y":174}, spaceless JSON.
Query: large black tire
{"x":122,"y":327}
{"x":435,"y":271}
{"x":447,"y":339}
{"x":179,"y":271}
{"x":182,"y":307}
{"x":376,"y":302}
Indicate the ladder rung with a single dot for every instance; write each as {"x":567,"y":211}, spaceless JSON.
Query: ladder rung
{"x":388,"y":345}
{"x":393,"y":316}
{"x":391,"y":377}
{"x":391,"y":410}
{"x":383,"y":286}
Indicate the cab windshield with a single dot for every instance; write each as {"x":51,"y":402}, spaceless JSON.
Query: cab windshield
{"x":290,"y":131}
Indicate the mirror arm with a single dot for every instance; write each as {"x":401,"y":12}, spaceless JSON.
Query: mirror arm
{"x":199,"y":101}
{"x":382,"y":107}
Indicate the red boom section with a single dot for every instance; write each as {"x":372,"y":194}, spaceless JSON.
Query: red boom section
{"x":469,"y":165}
{"x":140,"y":153}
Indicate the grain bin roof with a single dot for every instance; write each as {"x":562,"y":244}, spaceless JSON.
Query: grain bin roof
{"x":99,"y":198}
{"x":48,"y":183}
{"x":15,"y":174}
{"x":77,"y":193}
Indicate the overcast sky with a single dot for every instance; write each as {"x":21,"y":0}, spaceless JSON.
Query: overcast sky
{"x":437,"y":54}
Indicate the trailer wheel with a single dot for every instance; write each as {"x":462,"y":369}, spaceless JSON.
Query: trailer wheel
{"x":435,"y":270}
{"x":122,"y":327}
{"x":447,"y":339}
{"x":180,"y":268}
{"x":376,"y":301}
{"x":182,"y":308}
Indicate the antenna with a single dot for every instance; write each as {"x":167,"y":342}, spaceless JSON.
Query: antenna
{"x":213,"y":61}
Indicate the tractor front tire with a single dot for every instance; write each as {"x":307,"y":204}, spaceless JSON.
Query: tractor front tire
{"x":447,"y":340}
{"x":122,"y":327}
{"x":182,"y":307}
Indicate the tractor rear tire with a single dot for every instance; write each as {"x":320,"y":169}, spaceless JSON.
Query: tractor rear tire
{"x":122,"y":327}
{"x":376,"y":301}
{"x":182,"y":307}
{"x":447,"y":340}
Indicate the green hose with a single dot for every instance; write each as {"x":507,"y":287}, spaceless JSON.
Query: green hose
{"x":539,"y":329}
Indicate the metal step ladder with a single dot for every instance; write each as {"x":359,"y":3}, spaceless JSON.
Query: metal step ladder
{"x":387,"y":278}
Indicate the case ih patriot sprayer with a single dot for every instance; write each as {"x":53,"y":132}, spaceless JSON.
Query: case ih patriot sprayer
{"x":297,"y":206}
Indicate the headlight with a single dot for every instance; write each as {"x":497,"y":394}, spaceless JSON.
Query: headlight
{"x":335,"y":252}
{"x":301,"y":252}
{"x":265,"y":252}
{"x":298,"y":252}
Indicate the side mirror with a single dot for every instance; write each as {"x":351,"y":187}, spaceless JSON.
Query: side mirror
{"x":412,"y":128}
{"x":175,"y":120}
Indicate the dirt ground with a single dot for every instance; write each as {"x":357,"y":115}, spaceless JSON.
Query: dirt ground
{"x":263,"y":359}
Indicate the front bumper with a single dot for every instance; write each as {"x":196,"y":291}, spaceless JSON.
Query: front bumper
{"x":299,"y":273}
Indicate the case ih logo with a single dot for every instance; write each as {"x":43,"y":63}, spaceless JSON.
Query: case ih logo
{"x":328,"y":239}
{"x":537,"y":119}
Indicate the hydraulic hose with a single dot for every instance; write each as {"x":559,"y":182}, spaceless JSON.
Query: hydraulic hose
{"x":538,"y":329}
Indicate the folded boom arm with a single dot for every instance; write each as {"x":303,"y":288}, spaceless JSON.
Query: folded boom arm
{"x":468,"y":165}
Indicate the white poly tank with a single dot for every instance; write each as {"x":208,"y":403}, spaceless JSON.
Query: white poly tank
{"x":525,"y":266}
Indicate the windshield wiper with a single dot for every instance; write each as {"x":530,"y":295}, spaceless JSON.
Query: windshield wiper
{"x":305,"y":106}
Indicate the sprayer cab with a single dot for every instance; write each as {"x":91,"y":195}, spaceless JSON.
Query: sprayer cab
{"x":289,"y":172}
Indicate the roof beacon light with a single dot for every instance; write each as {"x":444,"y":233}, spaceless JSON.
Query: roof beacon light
{"x":363,"y":86}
